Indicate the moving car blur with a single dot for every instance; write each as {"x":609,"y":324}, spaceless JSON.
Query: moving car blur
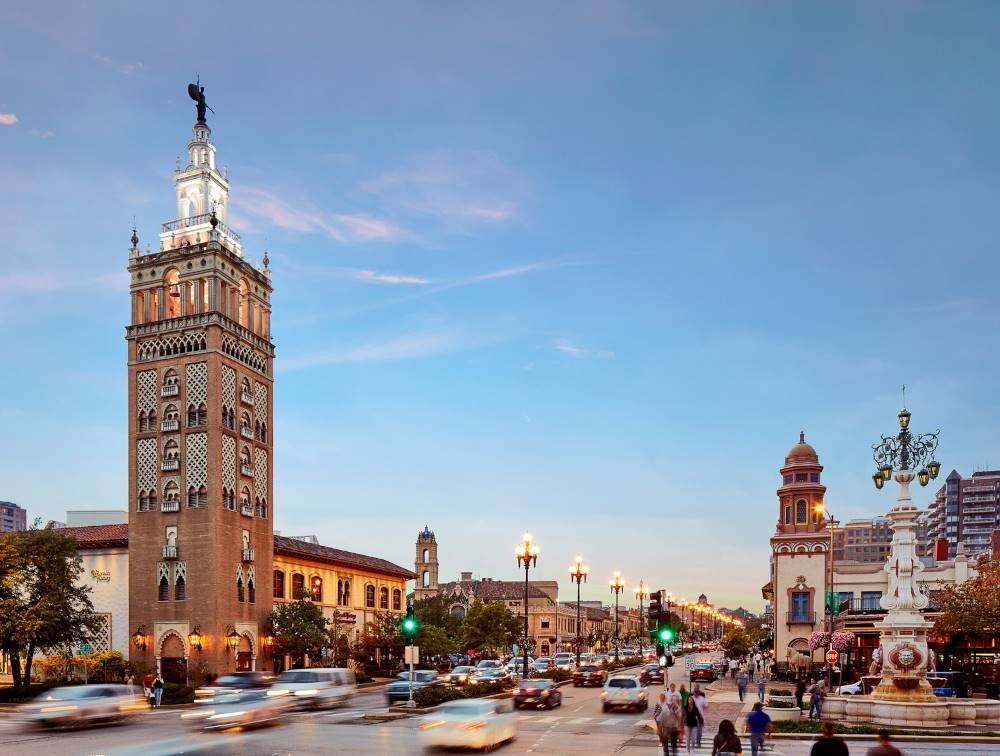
{"x":243,"y":708}
{"x":472,"y":723}
{"x":235,"y":683}
{"x":399,"y":689}
{"x":652,"y":673}
{"x":625,"y":691}
{"x":79,"y":705}
{"x":538,"y":693}
{"x":704,"y":671}
{"x":318,"y":686}
{"x":590,"y":674}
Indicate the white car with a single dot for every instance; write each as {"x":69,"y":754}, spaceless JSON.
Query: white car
{"x":318,"y":686}
{"x":81,"y":704}
{"x":854,"y":689}
{"x":489,"y":664}
{"x":470,"y":723}
{"x":625,"y":691}
{"x":566,"y":663}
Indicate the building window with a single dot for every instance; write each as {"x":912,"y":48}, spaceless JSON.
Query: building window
{"x":801,"y":511}
{"x":298,"y":586}
{"x":870,"y":600}
{"x":251,"y":592}
{"x":383,"y":598}
{"x":788,"y":514}
{"x":317,"y":588}
{"x":545,"y":623}
{"x":239,"y":590}
{"x":800,"y":606}
{"x":279,"y":584}
{"x":426,"y":579}
{"x":397,"y":599}
{"x":800,"y":477}
{"x":814,"y":477}
{"x":179,"y":589}
{"x":164,"y":594}
{"x":370,"y":596}
{"x":347,"y":594}
{"x":427,"y":555}
{"x":787,"y":479}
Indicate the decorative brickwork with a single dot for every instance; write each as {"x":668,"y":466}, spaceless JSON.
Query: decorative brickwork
{"x":260,"y":400}
{"x":229,"y":462}
{"x":260,"y":475}
{"x":162,"y":571}
{"x":100,"y":634}
{"x":228,"y":387}
{"x":145,"y":461}
{"x":170,"y":345}
{"x":145,"y":384}
{"x":197,"y":383}
{"x":180,"y":571}
{"x":197,"y":460}
{"x":247,"y":355}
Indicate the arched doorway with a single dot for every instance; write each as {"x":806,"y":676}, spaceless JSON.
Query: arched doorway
{"x":244,"y":655}
{"x":173,"y":664}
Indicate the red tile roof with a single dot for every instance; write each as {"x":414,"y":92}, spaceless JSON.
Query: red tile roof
{"x":295,"y":548}
{"x":98,"y":536}
{"x":494,"y":590}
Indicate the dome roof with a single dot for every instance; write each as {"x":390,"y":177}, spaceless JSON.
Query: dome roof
{"x":801,"y":452}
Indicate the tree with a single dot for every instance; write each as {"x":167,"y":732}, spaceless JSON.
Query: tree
{"x":489,"y":628}
{"x":435,"y":611}
{"x":42,"y":606}
{"x":972,"y":606}
{"x":433,"y":641}
{"x":381,"y":641}
{"x":298,"y":628}
{"x":736,"y":643}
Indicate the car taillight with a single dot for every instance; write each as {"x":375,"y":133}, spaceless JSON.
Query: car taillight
{"x":545,"y":692}
{"x":432,"y":725}
{"x":475,"y":725}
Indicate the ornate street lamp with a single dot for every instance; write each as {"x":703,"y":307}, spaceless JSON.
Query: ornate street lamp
{"x":821,"y":510}
{"x":194,"y":638}
{"x":641,"y":594}
{"x":617,"y":586}
{"x":527,"y":557}
{"x":139,"y":637}
{"x":232,"y":638}
{"x":578,"y":573}
{"x":906,"y":453}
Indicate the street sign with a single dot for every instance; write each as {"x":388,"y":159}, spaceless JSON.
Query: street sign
{"x":832,"y":656}
{"x":411,"y":654}
{"x":86,"y":649}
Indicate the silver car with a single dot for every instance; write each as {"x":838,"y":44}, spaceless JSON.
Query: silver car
{"x":625,"y":691}
{"x":246,"y":708}
{"x":75,"y":705}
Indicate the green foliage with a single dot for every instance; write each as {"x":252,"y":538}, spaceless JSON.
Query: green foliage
{"x":433,"y":640}
{"x":436,"y":611}
{"x":489,"y":628}
{"x":380,"y":646}
{"x":298,"y":628}
{"x":736,"y":643}
{"x":27,"y":692}
{"x":177,"y":694}
{"x":972,"y":606}
{"x":438,"y":694}
{"x":774,"y":704}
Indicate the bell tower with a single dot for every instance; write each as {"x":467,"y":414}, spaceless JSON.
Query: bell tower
{"x":200,"y":389}
{"x":426,"y":565}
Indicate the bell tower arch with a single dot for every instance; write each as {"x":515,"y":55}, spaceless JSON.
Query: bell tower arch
{"x":425,"y":565}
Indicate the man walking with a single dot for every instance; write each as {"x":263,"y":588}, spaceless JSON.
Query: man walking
{"x":759,"y":725}
{"x":158,"y":689}
{"x":884,"y":747}
{"x":816,"y":700}
{"x":733,"y":665}
{"x":829,"y":744}
{"x":701,"y":701}
{"x":741,"y":684}
{"x":761,"y":687}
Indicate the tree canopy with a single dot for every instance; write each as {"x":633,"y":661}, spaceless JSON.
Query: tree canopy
{"x":489,"y":628}
{"x":298,"y":627}
{"x":972,"y":606}
{"x":736,"y":643}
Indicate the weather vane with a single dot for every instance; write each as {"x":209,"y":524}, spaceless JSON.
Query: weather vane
{"x":197,"y":93}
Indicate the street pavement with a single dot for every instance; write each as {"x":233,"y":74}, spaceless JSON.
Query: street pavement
{"x":578,"y":726}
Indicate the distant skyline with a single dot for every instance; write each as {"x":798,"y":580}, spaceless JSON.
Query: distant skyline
{"x":585,"y":270}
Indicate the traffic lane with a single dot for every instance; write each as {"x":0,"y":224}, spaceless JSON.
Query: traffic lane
{"x":909,"y":747}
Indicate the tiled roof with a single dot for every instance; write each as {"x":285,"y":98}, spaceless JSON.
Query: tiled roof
{"x":98,"y":536}
{"x":495,"y":590}
{"x":295,"y":547}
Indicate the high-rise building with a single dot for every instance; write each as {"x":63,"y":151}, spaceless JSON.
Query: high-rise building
{"x":200,"y":446}
{"x":966,"y":510}
{"x":863,"y":540}
{"x":12,"y":517}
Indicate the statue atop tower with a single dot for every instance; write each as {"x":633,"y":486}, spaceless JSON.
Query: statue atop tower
{"x":197,"y":93}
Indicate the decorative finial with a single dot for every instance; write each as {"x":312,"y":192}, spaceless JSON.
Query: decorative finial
{"x":802,"y":437}
{"x":197,"y":93}
{"x":214,"y":220}
{"x":904,"y":396}
{"x":135,"y":237}
{"x":267,"y":260}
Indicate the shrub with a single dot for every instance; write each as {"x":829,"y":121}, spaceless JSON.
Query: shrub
{"x":773,"y":704}
{"x":27,"y":693}
{"x":558,"y":675}
{"x":781,"y":692}
{"x":174,"y":693}
{"x":437,"y":694}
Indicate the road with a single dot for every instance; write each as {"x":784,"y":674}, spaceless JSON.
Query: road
{"x":578,"y":726}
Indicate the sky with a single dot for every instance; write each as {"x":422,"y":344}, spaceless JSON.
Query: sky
{"x":582,"y":268}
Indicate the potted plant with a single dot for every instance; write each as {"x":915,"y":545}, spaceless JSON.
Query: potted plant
{"x":780,"y":710}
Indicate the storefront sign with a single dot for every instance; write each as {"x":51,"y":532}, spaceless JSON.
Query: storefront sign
{"x":101,"y":576}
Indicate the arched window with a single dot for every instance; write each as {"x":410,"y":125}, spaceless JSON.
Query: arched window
{"x":279,"y":584}
{"x":340,"y":593}
{"x":251,"y":592}
{"x":256,"y":430}
{"x":151,"y":420}
{"x":788,"y":514}
{"x":179,"y":589}
{"x":152,"y":501}
{"x":317,"y":589}
{"x":245,"y":422}
{"x":245,"y":456}
{"x":172,"y":285}
{"x":245,"y":387}
{"x":397,"y":599}
{"x":298,"y":586}
{"x":231,"y":420}
{"x":192,"y":496}
{"x":383,"y":598}
{"x":801,"y":511}
{"x":171,"y":450}
{"x":426,"y":579}
{"x":171,"y":492}
{"x":427,"y":555}
{"x":263,"y":432}
{"x":244,"y":303}
{"x":164,"y":594}
{"x":192,"y":419}
{"x":245,"y":497}
{"x":202,"y":496}
{"x":347,"y":593}
{"x":202,"y":414}
{"x":239,"y":590}
{"x":370,"y":596}
{"x":142,"y":421}
{"x":170,"y":378}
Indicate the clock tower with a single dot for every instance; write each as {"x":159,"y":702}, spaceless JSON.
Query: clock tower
{"x":200,"y":390}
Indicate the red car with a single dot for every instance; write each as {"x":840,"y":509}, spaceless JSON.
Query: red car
{"x":651,"y":673}
{"x":704,"y":671}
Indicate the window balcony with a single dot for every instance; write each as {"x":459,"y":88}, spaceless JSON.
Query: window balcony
{"x":261,"y":510}
{"x":170,"y":464}
{"x":245,"y":469}
{"x":247,"y":555}
{"x":170,"y":505}
{"x":246,"y":398}
{"x":170,"y":425}
{"x":800,"y":618}
{"x":246,"y":510}
{"x":169,"y":552}
{"x":246,"y":432}
{"x":170,"y":389}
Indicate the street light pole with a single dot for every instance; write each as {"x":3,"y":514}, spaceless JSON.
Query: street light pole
{"x":617,"y":584}
{"x":527,"y":555}
{"x":578,"y":573}
{"x":641,"y":593}
{"x":821,"y":510}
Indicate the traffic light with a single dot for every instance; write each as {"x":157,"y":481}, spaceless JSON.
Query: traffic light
{"x":665,"y":635}
{"x":410,"y":625}
{"x":655,"y":613}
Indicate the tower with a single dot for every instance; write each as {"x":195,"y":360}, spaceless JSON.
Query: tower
{"x":426,"y":566}
{"x":200,"y":362}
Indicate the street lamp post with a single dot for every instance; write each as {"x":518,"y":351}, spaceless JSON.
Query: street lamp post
{"x":670,"y":602}
{"x":821,"y":510}
{"x":578,"y":573}
{"x":641,"y":593}
{"x":617,"y":585}
{"x":527,"y":557}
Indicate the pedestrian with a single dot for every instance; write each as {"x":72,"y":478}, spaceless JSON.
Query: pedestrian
{"x":673,"y":695}
{"x":761,"y":687}
{"x":741,"y":684}
{"x":147,"y":688}
{"x":668,"y":720}
{"x":726,"y":741}
{"x":884,"y":747}
{"x":800,"y":691}
{"x":692,"y":721}
{"x":829,"y":744}
{"x":158,"y":689}
{"x":816,"y":700}
{"x":131,"y":684}
{"x":759,"y":725}
{"x":701,"y":701}
{"x":733,"y":664}
{"x":685,"y":694}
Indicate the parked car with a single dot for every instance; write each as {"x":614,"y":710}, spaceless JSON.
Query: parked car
{"x":543,"y":665}
{"x":77,"y":705}
{"x":245,"y":708}
{"x":704,"y":671}
{"x":565,"y":661}
{"x":625,"y":691}
{"x":459,"y":675}
{"x":652,"y":673}
{"x":318,"y":686}
{"x":472,"y":723}
{"x":601,"y":659}
{"x":538,"y":693}
{"x":237,"y":682}
{"x":853,"y":689}
{"x":399,"y":688}
{"x":590,"y":674}
{"x":955,"y":684}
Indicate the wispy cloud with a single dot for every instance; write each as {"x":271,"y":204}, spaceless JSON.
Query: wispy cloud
{"x":408,"y":347}
{"x":48,"y":282}
{"x":370,"y":276}
{"x":128,"y":69}
{"x":41,"y":133}
{"x":8,"y":119}
{"x":264,"y":205}
{"x":565,"y":346}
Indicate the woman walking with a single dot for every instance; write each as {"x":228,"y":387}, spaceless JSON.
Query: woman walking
{"x":693,"y":721}
{"x":726,"y":741}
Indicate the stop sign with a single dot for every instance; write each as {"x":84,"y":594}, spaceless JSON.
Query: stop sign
{"x":832,"y":656}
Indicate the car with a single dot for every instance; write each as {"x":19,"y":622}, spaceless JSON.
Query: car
{"x":249,"y":707}
{"x":489,"y":664}
{"x":470,"y":723}
{"x":237,"y":682}
{"x":601,"y":659}
{"x":652,"y":673}
{"x":459,"y":675}
{"x":704,"y":671}
{"x":853,"y":689}
{"x":318,"y":686}
{"x":399,"y":689}
{"x":536,"y":693}
{"x":543,"y":665}
{"x":590,"y":674}
{"x":565,"y":661}
{"x":77,"y":705}
{"x":492,"y":676}
{"x":624,"y":691}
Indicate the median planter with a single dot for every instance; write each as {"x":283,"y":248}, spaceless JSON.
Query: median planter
{"x":783,"y":714}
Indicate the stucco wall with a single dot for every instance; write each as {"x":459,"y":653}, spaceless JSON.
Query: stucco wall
{"x":109,"y":590}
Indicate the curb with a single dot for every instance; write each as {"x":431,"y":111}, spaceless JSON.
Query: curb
{"x":896,"y":738}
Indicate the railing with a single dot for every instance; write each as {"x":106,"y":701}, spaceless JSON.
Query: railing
{"x":247,"y":555}
{"x":198,"y":220}
{"x":800,"y":618}
{"x":169,"y":552}
{"x":246,"y":509}
{"x":170,"y":389}
{"x":246,"y":398}
{"x":170,"y":425}
{"x":246,"y":432}
{"x":862,"y":606}
{"x":170,"y":505}
{"x":246,"y":469}
{"x":170,"y":464}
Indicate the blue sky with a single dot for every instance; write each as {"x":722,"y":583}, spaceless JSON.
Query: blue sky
{"x":584,"y":268}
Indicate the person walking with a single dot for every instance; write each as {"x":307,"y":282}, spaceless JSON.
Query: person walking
{"x":693,"y":720}
{"x":800,"y":691}
{"x":701,"y":701}
{"x":829,"y":744}
{"x":741,"y":684}
{"x":673,"y":695}
{"x":131,"y":684}
{"x":726,"y":741}
{"x":816,"y":700}
{"x":158,"y":689}
{"x":685,"y":694}
{"x":668,"y":725}
{"x":884,"y":747}
{"x":147,"y":688}
{"x":761,"y":687}
{"x":733,"y":666}
{"x":759,"y":725}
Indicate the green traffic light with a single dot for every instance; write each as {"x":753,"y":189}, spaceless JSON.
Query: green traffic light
{"x":409,"y":624}
{"x":666,"y":635}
